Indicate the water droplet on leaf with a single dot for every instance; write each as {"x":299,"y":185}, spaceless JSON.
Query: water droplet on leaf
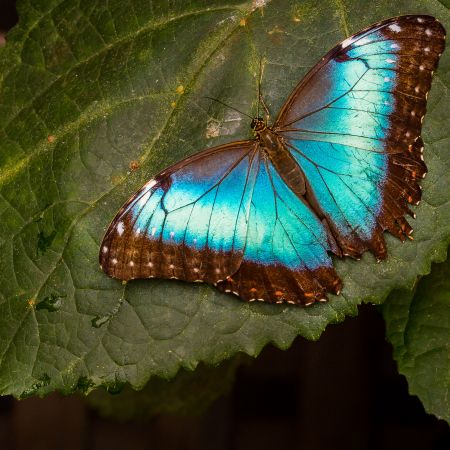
{"x":98,"y":321}
{"x":52,"y":302}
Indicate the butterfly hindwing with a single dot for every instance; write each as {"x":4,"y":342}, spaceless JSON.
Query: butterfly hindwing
{"x":189,"y":222}
{"x":286,"y":255}
{"x":354,"y":123}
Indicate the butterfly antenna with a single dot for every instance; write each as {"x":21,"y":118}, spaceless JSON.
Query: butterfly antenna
{"x":231,"y":107}
{"x":260,"y":97}
{"x":259,"y":85}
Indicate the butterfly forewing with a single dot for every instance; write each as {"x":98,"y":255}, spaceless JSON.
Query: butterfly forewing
{"x":354,"y":123}
{"x":189,"y":222}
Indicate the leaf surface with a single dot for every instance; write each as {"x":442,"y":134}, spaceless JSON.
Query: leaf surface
{"x":418,"y":327}
{"x":95,"y":98}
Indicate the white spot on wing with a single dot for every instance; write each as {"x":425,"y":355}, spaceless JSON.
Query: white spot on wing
{"x":363,"y":41}
{"x":390,"y":61}
{"x":143,"y":200}
{"x":105,"y":249}
{"x":131,"y":263}
{"x":120,"y":228}
{"x":347,"y":42}
{"x":150,"y":184}
{"x":114,"y":261}
{"x":395,"y":28}
{"x":428,"y":32}
{"x":153,"y":231}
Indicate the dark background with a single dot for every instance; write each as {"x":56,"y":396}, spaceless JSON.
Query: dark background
{"x":342,"y":392}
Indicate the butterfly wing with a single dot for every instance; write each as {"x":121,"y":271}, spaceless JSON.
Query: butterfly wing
{"x":353,"y":124}
{"x":189,"y":222}
{"x":223,"y":216}
{"x":285,"y":257}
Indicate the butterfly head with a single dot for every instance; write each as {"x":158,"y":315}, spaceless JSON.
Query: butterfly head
{"x":258,"y":125}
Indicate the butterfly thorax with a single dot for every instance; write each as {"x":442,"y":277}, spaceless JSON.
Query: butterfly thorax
{"x":258,"y":125}
{"x":275,"y":149}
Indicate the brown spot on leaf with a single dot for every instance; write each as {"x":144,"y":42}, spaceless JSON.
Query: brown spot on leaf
{"x":134,"y":165}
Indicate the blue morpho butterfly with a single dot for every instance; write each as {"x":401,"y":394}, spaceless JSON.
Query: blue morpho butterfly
{"x":260,"y":218}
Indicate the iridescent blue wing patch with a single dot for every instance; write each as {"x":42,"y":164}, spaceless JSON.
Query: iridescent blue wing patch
{"x":286,"y":254}
{"x":353,"y":124}
{"x":189,"y":222}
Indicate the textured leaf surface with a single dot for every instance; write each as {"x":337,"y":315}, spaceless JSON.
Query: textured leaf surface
{"x":418,"y":326}
{"x":95,"y":98}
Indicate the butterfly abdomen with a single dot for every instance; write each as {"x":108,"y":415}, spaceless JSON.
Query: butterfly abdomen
{"x":283,"y":161}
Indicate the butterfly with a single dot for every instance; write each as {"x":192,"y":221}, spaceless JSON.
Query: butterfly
{"x":340,"y":165}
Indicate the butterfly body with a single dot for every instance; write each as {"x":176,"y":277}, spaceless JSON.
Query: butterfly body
{"x":260,"y":218}
{"x":271,"y":144}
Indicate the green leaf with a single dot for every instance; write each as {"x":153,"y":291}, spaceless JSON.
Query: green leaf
{"x":189,"y":393}
{"x":90,"y":89}
{"x":418,"y":327}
